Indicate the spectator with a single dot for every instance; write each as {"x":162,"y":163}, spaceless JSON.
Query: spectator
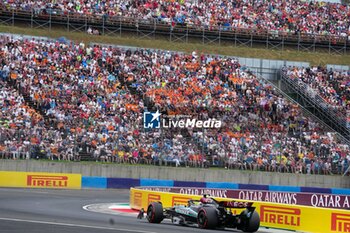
{"x":329,"y":88}
{"x":96,"y":95}
{"x":276,"y":17}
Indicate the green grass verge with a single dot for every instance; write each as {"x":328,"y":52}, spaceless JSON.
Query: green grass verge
{"x":317,"y":58}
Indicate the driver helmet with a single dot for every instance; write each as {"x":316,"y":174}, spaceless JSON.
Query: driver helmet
{"x":204,"y":199}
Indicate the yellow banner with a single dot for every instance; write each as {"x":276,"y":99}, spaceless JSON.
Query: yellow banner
{"x":40,"y":180}
{"x":299,"y":218}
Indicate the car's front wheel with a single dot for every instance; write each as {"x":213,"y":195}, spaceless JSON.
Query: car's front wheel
{"x":155,"y":212}
{"x":207,"y":218}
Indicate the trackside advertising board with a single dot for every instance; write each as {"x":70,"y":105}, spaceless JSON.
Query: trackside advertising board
{"x":298,"y":218}
{"x":324,"y":200}
{"x":40,"y":180}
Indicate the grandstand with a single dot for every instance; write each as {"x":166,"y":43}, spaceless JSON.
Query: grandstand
{"x":324,"y":90}
{"x":302,"y":25}
{"x":63,"y":100}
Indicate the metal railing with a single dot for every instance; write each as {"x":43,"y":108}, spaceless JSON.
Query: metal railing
{"x":336,"y":119}
{"x":152,"y":28}
{"x":343,"y":140}
{"x":307,"y":112}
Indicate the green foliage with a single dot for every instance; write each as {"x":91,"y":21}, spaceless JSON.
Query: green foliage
{"x":317,"y":58}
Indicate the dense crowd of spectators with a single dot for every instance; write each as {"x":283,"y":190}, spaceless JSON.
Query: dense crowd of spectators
{"x":262,"y":129}
{"x":79,"y":87}
{"x":333,"y":86}
{"x":19,"y":124}
{"x":95,"y":97}
{"x":306,"y":17}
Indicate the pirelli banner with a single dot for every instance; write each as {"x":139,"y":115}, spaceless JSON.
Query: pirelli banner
{"x":283,"y":216}
{"x":40,"y":180}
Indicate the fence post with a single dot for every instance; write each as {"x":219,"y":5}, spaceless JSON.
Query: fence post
{"x":220,"y":35}
{"x":235,"y":38}
{"x":154,"y":29}
{"x":345,"y":44}
{"x":137,"y":27}
{"x":186,"y":34}
{"x":86,"y":23}
{"x":31,"y":18}
{"x":170,"y":32}
{"x":103,"y":25}
{"x":267,"y":40}
{"x":314,"y":45}
{"x":13,"y":18}
{"x":203,"y":35}
{"x":68,"y":21}
{"x":120,"y":27}
{"x":50,"y":18}
{"x":251,"y":39}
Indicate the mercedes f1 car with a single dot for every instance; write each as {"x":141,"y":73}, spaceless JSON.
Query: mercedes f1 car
{"x":209,"y":215}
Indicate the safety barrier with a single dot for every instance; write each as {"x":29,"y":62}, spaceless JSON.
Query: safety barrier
{"x":282,"y":216}
{"x":317,"y":197}
{"x":306,"y":196}
{"x":104,"y":182}
{"x":290,"y":198}
{"x":40,"y":180}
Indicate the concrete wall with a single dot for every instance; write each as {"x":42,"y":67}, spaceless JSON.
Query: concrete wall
{"x":267,"y":68}
{"x":182,"y":174}
{"x":338,"y":67}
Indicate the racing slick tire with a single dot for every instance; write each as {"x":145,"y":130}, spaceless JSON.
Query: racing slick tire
{"x":207,"y":218}
{"x":251,"y":224}
{"x":155,"y":212}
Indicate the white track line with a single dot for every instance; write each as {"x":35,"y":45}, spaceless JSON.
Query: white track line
{"x":74,"y":225}
{"x":107,"y":210}
{"x":20,"y":190}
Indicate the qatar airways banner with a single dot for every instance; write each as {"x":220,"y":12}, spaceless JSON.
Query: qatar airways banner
{"x":307,"y":199}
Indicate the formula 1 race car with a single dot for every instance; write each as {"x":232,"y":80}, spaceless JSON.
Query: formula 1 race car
{"x":208,"y":215}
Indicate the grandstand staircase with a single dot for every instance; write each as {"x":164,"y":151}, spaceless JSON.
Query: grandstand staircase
{"x":48,"y":120}
{"x":316,"y":105}
{"x":84,"y":155}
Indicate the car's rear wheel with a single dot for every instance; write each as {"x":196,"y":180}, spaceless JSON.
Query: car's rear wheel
{"x":207,"y":218}
{"x":155,"y":212}
{"x":252,"y":223}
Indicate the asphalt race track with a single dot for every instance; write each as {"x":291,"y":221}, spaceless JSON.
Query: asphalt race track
{"x":60,"y":211}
